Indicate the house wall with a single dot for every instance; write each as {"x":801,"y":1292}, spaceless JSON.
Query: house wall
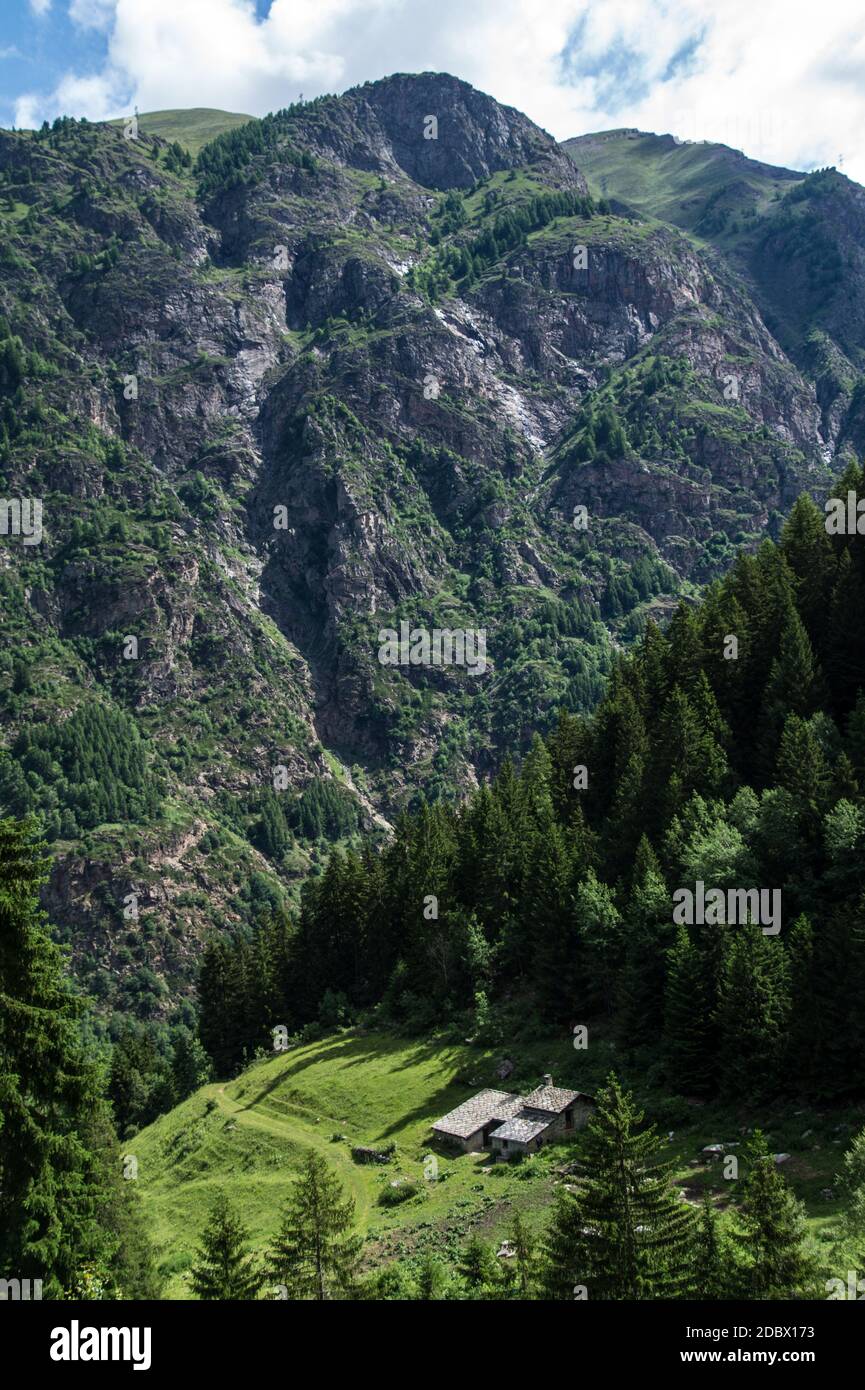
{"x":556,"y":1127}
{"x":467,"y":1146}
{"x":514,"y":1147}
{"x":473,"y":1144}
{"x":581,"y":1113}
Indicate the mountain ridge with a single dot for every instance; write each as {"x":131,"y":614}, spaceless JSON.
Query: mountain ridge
{"x":429,"y":387}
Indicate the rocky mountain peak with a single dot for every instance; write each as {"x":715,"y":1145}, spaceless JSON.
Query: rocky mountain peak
{"x":437,"y":129}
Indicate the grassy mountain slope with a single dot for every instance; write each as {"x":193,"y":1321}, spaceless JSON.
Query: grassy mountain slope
{"x":679,"y":182}
{"x":248,"y":1137}
{"x":796,"y":239}
{"x":191,"y":128}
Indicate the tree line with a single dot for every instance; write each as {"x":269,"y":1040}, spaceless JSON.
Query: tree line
{"x":737,"y":763}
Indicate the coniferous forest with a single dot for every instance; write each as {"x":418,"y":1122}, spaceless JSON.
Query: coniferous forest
{"x":432,"y":713}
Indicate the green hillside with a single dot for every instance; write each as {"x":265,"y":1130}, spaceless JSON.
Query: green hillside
{"x":193,"y":128}
{"x":700,"y":186}
{"x":248,"y":1137}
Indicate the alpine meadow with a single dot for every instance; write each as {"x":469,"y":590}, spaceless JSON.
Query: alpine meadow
{"x":432,"y":707}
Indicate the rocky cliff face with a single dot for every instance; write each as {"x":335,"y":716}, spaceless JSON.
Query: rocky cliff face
{"x":355,"y":368}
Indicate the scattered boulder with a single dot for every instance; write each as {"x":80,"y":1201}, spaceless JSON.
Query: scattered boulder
{"x":362,"y":1154}
{"x":713,"y":1151}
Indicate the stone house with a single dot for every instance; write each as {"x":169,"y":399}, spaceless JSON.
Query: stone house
{"x":470,"y":1125}
{"x":509,"y":1124}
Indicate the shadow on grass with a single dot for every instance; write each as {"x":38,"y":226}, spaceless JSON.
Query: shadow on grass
{"x":356,"y":1049}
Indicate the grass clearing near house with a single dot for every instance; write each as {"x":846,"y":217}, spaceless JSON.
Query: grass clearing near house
{"x":249,"y":1136}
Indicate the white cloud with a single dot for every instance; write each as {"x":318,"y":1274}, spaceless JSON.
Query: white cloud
{"x":782,"y":79}
{"x":40,"y":7}
{"x":92,"y":14}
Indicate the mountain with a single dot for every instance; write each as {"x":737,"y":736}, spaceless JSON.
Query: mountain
{"x":797,"y":240}
{"x":362,"y":363}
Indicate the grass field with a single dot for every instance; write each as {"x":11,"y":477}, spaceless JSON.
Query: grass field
{"x":192,"y":128}
{"x":675,"y":183}
{"x":248,"y":1136}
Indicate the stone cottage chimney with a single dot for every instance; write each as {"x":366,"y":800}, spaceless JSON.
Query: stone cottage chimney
{"x":548,"y":1080}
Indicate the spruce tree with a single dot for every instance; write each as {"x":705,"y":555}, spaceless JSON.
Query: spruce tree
{"x":432,"y":1281}
{"x":61,"y":1210}
{"x":223,"y":1268}
{"x":316,"y":1252}
{"x":545,"y":935}
{"x":802,"y":1028}
{"x":710,"y":1272}
{"x":753,"y":1012}
{"x":477,"y":1266}
{"x":221,"y":1001}
{"x":525,"y":1256}
{"x":687,"y":1036}
{"x":795,"y":685}
{"x":771,"y":1230}
{"x":808,"y":550}
{"x":624,"y":1233}
{"x":649,"y":932}
{"x":850,"y":1187}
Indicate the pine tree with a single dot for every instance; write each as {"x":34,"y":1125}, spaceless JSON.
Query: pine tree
{"x":525,"y":1256}
{"x":223,"y":1269}
{"x":795,"y":685}
{"x":58,"y":1158}
{"x":477,"y":1265}
{"x":624,"y":1233}
{"x":771,"y":1229}
{"x":752,"y":1012}
{"x":221,"y":1004}
{"x":687,"y":1038}
{"x":710,"y":1272}
{"x":315,"y":1254}
{"x":649,"y":934}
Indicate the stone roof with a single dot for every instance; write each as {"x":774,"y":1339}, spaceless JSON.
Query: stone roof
{"x":473,"y":1114}
{"x":553,"y":1099}
{"x":522,"y":1128}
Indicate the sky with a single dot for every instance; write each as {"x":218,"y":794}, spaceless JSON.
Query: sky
{"x":783,"y":80}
